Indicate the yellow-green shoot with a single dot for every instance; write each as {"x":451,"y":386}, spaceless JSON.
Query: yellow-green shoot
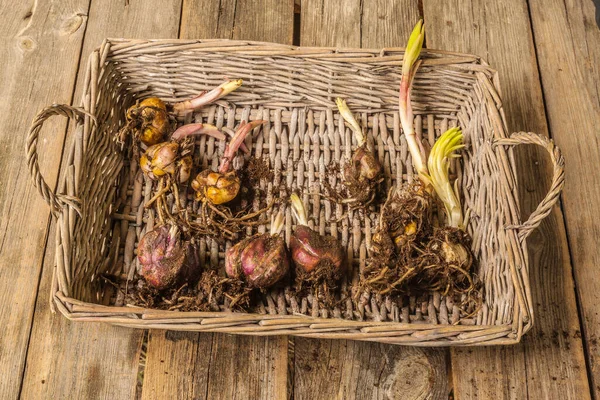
{"x":443,"y":151}
{"x":349,"y":118}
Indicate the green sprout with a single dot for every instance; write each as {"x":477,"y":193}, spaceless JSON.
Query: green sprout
{"x":443,"y":150}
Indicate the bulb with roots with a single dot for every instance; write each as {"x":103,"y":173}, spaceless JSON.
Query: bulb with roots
{"x":149,"y":119}
{"x":223,"y":185}
{"x":260,"y":261}
{"x":313,"y":253}
{"x":363,"y":172}
{"x":166,"y":259}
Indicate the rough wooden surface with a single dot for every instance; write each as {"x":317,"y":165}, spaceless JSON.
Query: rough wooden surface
{"x":204,"y":366}
{"x":568,"y":47}
{"x":73,"y":360}
{"x":327,"y":369}
{"x":177,"y":365}
{"x":329,"y":23}
{"x":500,"y":32}
{"x":346,"y":369}
{"x":263,"y":20}
{"x":35,"y":42}
{"x":220,"y":366}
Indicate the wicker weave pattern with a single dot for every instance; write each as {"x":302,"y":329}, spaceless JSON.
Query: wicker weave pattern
{"x":101,"y":214}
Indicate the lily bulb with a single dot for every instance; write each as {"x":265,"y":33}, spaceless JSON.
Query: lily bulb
{"x":224,"y":185}
{"x":205,"y":98}
{"x":364,"y":165}
{"x":152,"y":119}
{"x":216,"y":187}
{"x":261,"y":261}
{"x":310,"y":249}
{"x":166,"y":259}
{"x":162,"y":159}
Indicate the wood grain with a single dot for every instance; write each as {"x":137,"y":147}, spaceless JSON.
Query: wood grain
{"x":550,"y":358}
{"x":568,"y":48}
{"x":328,"y":369}
{"x":177,"y":365}
{"x":83,"y":360}
{"x":330,"y":23}
{"x":74,"y":360}
{"x":220,"y":366}
{"x":35,"y":44}
{"x":262,"y":20}
{"x":215,"y":366}
{"x":347,"y":369}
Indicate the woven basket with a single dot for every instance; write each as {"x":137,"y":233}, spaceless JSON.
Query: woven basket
{"x":99,"y":203}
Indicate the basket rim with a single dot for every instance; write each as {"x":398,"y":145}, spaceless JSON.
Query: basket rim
{"x":423,"y":334}
{"x":75,"y":309}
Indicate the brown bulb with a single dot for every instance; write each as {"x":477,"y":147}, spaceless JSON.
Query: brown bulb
{"x":261,"y":261}
{"x":166,"y":259}
{"x":309,"y":249}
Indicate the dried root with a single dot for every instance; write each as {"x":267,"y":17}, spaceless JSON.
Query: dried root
{"x":322,"y":283}
{"x":410,"y":256}
{"x":211,"y":291}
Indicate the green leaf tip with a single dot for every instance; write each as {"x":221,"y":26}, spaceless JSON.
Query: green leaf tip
{"x":413,"y":47}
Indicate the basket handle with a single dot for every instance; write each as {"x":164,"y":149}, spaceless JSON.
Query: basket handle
{"x":54,"y":200}
{"x":558,"y":178}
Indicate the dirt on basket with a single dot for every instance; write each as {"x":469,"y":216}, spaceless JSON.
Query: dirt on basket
{"x":322,"y":283}
{"x":354,"y":192}
{"x":210,"y":294}
{"x":257,"y":169}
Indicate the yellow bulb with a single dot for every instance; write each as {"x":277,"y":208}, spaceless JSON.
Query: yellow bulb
{"x":153,"y":102}
{"x":410,"y":229}
{"x":215,"y":187}
{"x":152,"y":120}
{"x":185,"y":168}
{"x":160,"y":159}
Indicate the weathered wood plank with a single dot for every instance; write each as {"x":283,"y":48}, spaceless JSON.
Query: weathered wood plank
{"x":387,"y":23}
{"x":567,"y":40}
{"x":215,"y":366}
{"x":245,"y":367}
{"x":330,"y":23}
{"x":219,"y":366}
{"x":82,"y":360}
{"x":549,"y":363}
{"x":35,"y":43}
{"x":77,"y":360}
{"x":177,"y":365}
{"x":262,"y":20}
{"x":327,"y":369}
{"x":347,"y":369}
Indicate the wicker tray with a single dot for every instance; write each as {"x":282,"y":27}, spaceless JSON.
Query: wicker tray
{"x":100,"y":219}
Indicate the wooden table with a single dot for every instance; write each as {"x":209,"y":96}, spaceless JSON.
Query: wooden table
{"x":548,"y":56}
